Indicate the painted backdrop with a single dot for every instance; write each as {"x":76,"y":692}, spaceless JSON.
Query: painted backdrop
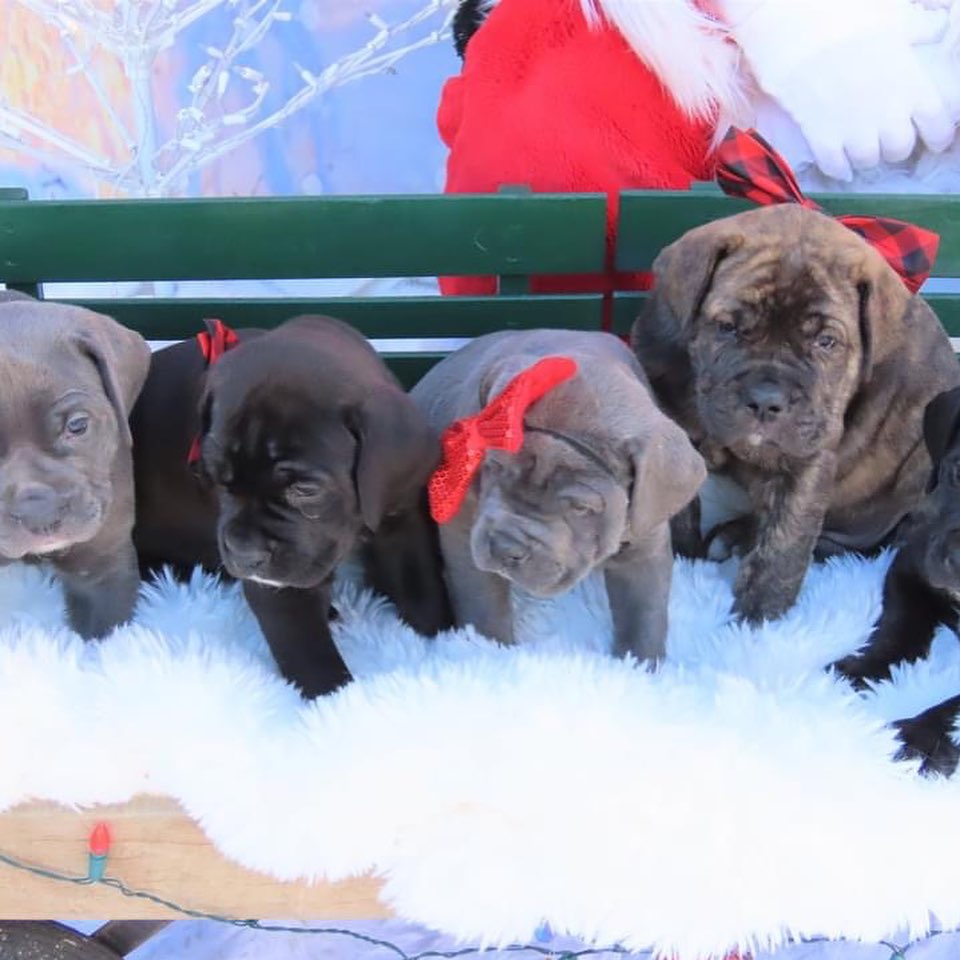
{"x":222,"y":97}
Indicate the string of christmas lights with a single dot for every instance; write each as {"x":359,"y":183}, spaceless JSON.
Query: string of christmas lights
{"x":98,"y":846}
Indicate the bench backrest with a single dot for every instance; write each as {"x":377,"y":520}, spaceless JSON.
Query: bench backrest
{"x":511,"y":235}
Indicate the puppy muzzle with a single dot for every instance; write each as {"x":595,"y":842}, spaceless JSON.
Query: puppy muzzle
{"x":274,"y":565}
{"x":38,"y":520}
{"x":762,"y":412}
{"x":523,"y":561}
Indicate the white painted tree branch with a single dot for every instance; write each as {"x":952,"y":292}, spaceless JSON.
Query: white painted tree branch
{"x":347,"y":69}
{"x":136,"y":31}
{"x":15,"y":125}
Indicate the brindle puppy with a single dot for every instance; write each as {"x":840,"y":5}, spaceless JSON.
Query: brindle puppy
{"x":800,"y":365}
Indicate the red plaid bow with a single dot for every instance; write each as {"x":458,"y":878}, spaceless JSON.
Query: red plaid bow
{"x":747,"y":166}
{"x":499,"y":424}
{"x":214,"y":343}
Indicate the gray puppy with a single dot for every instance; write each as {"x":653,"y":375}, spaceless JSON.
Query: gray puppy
{"x":69,"y":379}
{"x":599,"y":475}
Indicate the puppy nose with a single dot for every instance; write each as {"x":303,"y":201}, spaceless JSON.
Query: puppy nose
{"x":35,"y":505}
{"x":507,"y":549}
{"x":765,"y":399}
{"x":246,"y":555}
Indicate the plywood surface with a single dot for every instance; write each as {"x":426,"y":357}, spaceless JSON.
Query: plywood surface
{"x":156,"y":848}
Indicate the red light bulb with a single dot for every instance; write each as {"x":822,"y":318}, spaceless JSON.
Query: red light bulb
{"x":99,"y":843}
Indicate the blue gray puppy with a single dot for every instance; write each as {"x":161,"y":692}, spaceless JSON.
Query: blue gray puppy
{"x":600,"y":473}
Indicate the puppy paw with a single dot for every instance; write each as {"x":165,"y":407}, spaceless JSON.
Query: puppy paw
{"x":858,"y":669}
{"x":926,"y":737}
{"x":760,"y":592}
{"x":733,"y":538}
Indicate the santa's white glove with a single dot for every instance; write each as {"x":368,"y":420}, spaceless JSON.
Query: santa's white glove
{"x":848,"y":73}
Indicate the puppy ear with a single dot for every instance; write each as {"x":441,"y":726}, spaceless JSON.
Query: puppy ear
{"x":195,"y":460}
{"x":122,"y":358}
{"x":667,"y":473}
{"x":683,"y":274}
{"x":883,"y":304}
{"x":941,"y":423}
{"x":397,"y":453}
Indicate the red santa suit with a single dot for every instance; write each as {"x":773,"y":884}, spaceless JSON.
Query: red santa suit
{"x":606,"y":95}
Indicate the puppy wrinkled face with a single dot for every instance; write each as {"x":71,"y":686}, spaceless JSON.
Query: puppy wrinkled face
{"x":288,"y":510}
{"x":776,"y":355}
{"x":546,"y":516}
{"x":57,"y":448}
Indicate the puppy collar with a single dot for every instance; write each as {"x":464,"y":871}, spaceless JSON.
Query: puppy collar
{"x":747,"y":166}
{"x":214,"y":342}
{"x":498,"y":425}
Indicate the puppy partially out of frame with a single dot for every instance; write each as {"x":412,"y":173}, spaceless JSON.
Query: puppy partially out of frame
{"x":800,"y":365}
{"x":921,"y":590}
{"x":309,"y":450}
{"x":70,"y":377}
{"x":598,"y":476}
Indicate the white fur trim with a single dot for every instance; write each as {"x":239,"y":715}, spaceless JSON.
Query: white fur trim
{"x":689,"y":51}
{"x":738,"y":795}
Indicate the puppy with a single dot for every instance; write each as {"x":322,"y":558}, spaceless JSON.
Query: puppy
{"x":309,"y":450}
{"x":600,"y":472}
{"x":800,"y":365}
{"x":70,"y":378}
{"x":922,"y":586}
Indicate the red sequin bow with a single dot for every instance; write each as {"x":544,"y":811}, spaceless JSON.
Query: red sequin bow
{"x":214,"y":342}
{"x":499,"y":424}
{"x":747,"y":166}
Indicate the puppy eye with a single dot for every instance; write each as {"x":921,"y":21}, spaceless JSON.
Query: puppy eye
{"x":726,"y":327}
{"x":76,"y":425}
{"x":826,"y":341}
{"x":579,"y":507}
{"x":303,"y":490}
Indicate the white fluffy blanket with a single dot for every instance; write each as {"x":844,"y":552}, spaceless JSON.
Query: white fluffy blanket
{"x":736,"y":798}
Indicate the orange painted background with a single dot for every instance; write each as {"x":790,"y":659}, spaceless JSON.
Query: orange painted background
{"x":69,"y":123}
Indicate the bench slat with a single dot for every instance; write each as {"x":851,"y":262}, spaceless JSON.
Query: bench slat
{"x":172,"y":319}
{"x":651,"y":219}
{"x":410,"y":367}
{"x":627,"y":306}
{"x":300,"y":237}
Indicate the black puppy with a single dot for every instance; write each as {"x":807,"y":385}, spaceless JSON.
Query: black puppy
{"x":922,"y":588}
{"x":309,"y":449}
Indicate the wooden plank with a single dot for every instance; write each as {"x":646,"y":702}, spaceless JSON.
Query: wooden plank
{"x":289,"y":237}
{"x":627,"y":306}
{"x":651,"y":219}
{"x":156,"y":848}
{"x":172,"y":319}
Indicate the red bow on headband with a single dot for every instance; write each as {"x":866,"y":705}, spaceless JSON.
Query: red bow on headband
{"x":747,"y":166}
{"x":499,"y":424}
{"x":214,"y":343}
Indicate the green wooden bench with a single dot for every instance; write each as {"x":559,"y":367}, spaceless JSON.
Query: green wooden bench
{"x":511,"y":235}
